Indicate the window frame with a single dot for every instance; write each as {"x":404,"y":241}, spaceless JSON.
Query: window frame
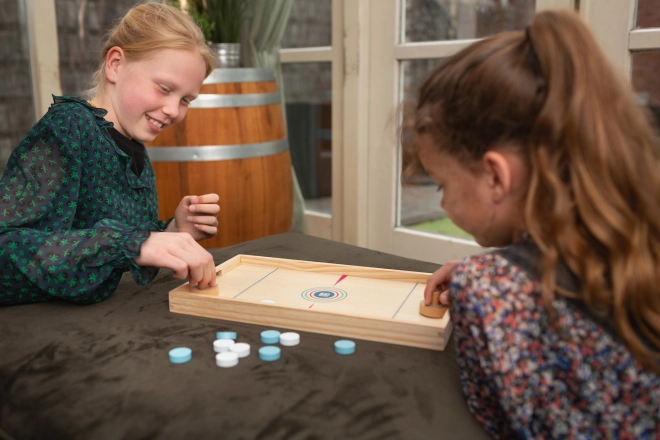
{"x":386,"y":53}
{"x":365,"y":56}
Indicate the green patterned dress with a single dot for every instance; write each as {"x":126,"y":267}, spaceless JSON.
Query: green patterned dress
{"x":73,"y":214}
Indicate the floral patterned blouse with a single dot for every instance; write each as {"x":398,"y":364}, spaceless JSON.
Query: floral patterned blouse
{"x":73,"y":214}
{"x":524,"y":379}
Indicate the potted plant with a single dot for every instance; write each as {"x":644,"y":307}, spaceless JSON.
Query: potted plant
{"x":221,"y":21}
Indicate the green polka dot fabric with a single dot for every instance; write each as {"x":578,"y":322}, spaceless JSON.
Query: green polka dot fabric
{"x":72,"y":213}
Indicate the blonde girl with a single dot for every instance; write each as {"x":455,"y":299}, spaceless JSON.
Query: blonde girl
{"x":78,"y":203}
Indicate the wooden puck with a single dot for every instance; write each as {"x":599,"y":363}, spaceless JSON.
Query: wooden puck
{"x":435,"y":310}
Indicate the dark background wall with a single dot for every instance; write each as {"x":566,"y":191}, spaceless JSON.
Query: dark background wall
{"x":81,"y":24}
{"x":16,"y":100}
{"x":646,"y":65}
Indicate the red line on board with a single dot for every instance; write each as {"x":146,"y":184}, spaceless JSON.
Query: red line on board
{"x":311,"y":306}
{"x":340,"y":278}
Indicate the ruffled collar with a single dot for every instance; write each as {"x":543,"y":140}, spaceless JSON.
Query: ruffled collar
{"x":99,"y":113}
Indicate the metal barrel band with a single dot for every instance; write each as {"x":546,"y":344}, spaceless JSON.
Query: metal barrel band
{"x":221,"y":76}
{"x":232,"y":101}
{"x":207,"y":153}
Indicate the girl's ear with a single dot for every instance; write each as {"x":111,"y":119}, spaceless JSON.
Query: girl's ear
{"x":497,"y":169}
{"x":114,"y":59}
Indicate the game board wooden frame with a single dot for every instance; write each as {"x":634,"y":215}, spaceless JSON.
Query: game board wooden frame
{"x":417,"y":331}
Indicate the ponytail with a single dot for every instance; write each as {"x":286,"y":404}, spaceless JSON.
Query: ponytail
{"x":593,"y":198}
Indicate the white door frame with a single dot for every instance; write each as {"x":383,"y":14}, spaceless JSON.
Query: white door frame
{"x":385,"y":54}
{"x":44,"y":53}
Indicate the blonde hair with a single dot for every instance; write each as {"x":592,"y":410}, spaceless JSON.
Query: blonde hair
{"x":149,"y":27}
{"x":594,"y":195}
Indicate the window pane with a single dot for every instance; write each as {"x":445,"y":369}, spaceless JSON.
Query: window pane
{"x":648,"y":14}
{"x":308,"y":92}
{"x":428,"y":20}
{"x":16,"y":99}
{"x":309,"y":24}
{"x":646,"y":81}
{"x":420,"y":200}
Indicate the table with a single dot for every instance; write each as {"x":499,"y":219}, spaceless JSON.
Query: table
{"x":102,"y":371}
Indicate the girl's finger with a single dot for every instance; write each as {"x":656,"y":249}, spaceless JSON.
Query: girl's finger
{"x":212,"y":230}
{"x":444,"y":298}
{"x":178,"y":266}
{"x":204,"y":209}
{"x":209,"y":275}
{"x":203,"y":220}
{"x":196,"y":272}
{"x":208,"y":198}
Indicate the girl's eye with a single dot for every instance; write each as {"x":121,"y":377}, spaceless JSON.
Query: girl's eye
{"x":164,"y":88}
{"x":185,"y":102}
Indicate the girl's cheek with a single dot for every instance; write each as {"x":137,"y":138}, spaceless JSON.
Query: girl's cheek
{"x":182,"y":112}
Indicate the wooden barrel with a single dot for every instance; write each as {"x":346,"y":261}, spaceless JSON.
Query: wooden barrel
{"x":232,"y":142}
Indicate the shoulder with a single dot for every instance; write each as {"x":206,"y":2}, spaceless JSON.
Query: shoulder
{"x":491,"y":281}
{"x":62,"y":116}
{"x":66,"y":119}
{"x":68,"y":109}
{"x":483,"y":270}
{"x":68,"y":122}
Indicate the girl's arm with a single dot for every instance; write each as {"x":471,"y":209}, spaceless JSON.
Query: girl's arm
{"x":488,"y":334}
{"x":45,"y":250}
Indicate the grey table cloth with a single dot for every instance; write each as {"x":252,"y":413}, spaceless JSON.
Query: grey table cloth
{"x":102,"y":371}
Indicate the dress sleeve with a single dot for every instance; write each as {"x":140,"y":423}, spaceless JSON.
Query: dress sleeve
{"x":162,"y":225}
{"x":38,"y":200}
{"x":486,"y":334}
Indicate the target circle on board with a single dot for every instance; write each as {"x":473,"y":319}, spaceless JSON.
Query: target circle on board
{"x":324,"y":294}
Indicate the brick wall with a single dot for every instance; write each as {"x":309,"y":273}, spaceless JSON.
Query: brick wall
{"x":81,"y":24}
{"x":309,"y":24}
{"x":430,"y":20}
{"x":16,"y":99}
{"x":80,"y":28}
{"x":646,"y":65}
{"x":648,"y":14}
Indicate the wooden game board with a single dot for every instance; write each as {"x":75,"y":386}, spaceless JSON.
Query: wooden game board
{"x":348,"y":301}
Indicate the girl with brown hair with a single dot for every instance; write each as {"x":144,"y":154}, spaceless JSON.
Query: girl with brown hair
{"x":540,"y":146}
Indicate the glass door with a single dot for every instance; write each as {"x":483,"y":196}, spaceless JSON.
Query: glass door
{"x":408,"y":39}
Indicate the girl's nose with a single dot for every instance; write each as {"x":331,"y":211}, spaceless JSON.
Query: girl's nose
{"x":171,"y":108}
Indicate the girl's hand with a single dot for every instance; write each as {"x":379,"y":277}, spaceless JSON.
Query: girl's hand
{"x":182,"y":254}
{"x":197,"y":215}
{"x":440,"y":281}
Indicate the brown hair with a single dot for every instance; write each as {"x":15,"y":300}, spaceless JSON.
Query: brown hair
{"x":594,"y":191}
{"x":149,"y":27}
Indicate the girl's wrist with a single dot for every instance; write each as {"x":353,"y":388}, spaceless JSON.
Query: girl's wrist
{"x":171,"y":226}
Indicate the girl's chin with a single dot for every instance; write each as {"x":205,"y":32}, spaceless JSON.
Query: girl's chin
{"x":145,"y":138}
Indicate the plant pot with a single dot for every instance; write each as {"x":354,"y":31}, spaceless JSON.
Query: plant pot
{"x":229,"y":54}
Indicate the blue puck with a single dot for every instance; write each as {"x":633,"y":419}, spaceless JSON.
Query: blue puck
{"x":180,"y":355}
{"x":270,"y":336}
{"x":225,"y":335}
{"x":269,"y":353}
{"x":345,"y":347}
